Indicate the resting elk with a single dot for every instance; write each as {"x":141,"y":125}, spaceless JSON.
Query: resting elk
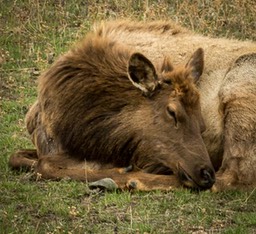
{"x":109,"y":108}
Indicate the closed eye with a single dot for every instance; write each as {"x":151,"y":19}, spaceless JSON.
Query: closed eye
{"x":202,"y":127}
{"x":172,"y":114}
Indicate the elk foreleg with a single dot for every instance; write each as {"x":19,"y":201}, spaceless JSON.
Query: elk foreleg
{"x":24,"y":159}
{"x":238,"y":169}
{"x":62,"y":166}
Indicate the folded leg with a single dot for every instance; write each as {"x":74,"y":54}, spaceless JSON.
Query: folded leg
{"x":62,"y":166}
{"x":238,"y":95}
{"x":24,"y":159}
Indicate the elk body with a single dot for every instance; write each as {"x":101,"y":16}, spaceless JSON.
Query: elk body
{"x":106,"y":109}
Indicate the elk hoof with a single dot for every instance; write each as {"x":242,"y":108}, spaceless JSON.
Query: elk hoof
{"x":129,"y":168}
{"x":132,"y":185}
{"x":104,"y":184}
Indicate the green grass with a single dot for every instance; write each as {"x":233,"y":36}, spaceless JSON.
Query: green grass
{"x":31,"y":32}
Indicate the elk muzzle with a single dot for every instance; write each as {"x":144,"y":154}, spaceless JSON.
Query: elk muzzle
{"x":202,"y":177}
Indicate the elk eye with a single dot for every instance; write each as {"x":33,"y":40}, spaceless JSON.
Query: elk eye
{"x":172,"y":114}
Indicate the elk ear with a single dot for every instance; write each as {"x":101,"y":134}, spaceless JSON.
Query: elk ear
{"x":196,"y":64}
{"x":142,"y":73}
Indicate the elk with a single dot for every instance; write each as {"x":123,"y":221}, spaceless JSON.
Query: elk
{"x":110,"y":109}
{"x":105,"y":110}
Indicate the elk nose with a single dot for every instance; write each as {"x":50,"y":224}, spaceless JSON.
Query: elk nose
{"x":207,"y":177}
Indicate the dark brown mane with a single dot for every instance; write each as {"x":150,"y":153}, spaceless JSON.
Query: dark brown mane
{"x":97,"y":69}
{"x":93,"y":56}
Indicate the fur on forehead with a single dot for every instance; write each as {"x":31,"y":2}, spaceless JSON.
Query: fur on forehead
{"x":182,"y":84}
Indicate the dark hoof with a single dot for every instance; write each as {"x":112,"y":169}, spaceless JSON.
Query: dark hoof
{"x":129,"y":168}
{"x":132,"y":185}
{"x":104,"y":184}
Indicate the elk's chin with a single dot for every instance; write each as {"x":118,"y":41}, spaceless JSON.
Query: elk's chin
{"x":186,"y":179}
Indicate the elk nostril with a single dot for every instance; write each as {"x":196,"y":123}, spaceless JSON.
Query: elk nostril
{"x":205,"y":174}
{"x":208,"y":176}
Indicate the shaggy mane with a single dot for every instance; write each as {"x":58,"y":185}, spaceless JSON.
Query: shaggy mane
{"x":90,"y":86}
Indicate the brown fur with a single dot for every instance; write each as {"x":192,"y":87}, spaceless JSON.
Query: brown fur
{"x":77,"y":126}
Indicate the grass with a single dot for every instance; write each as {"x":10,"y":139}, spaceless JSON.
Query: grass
{"x":32,"y":34}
